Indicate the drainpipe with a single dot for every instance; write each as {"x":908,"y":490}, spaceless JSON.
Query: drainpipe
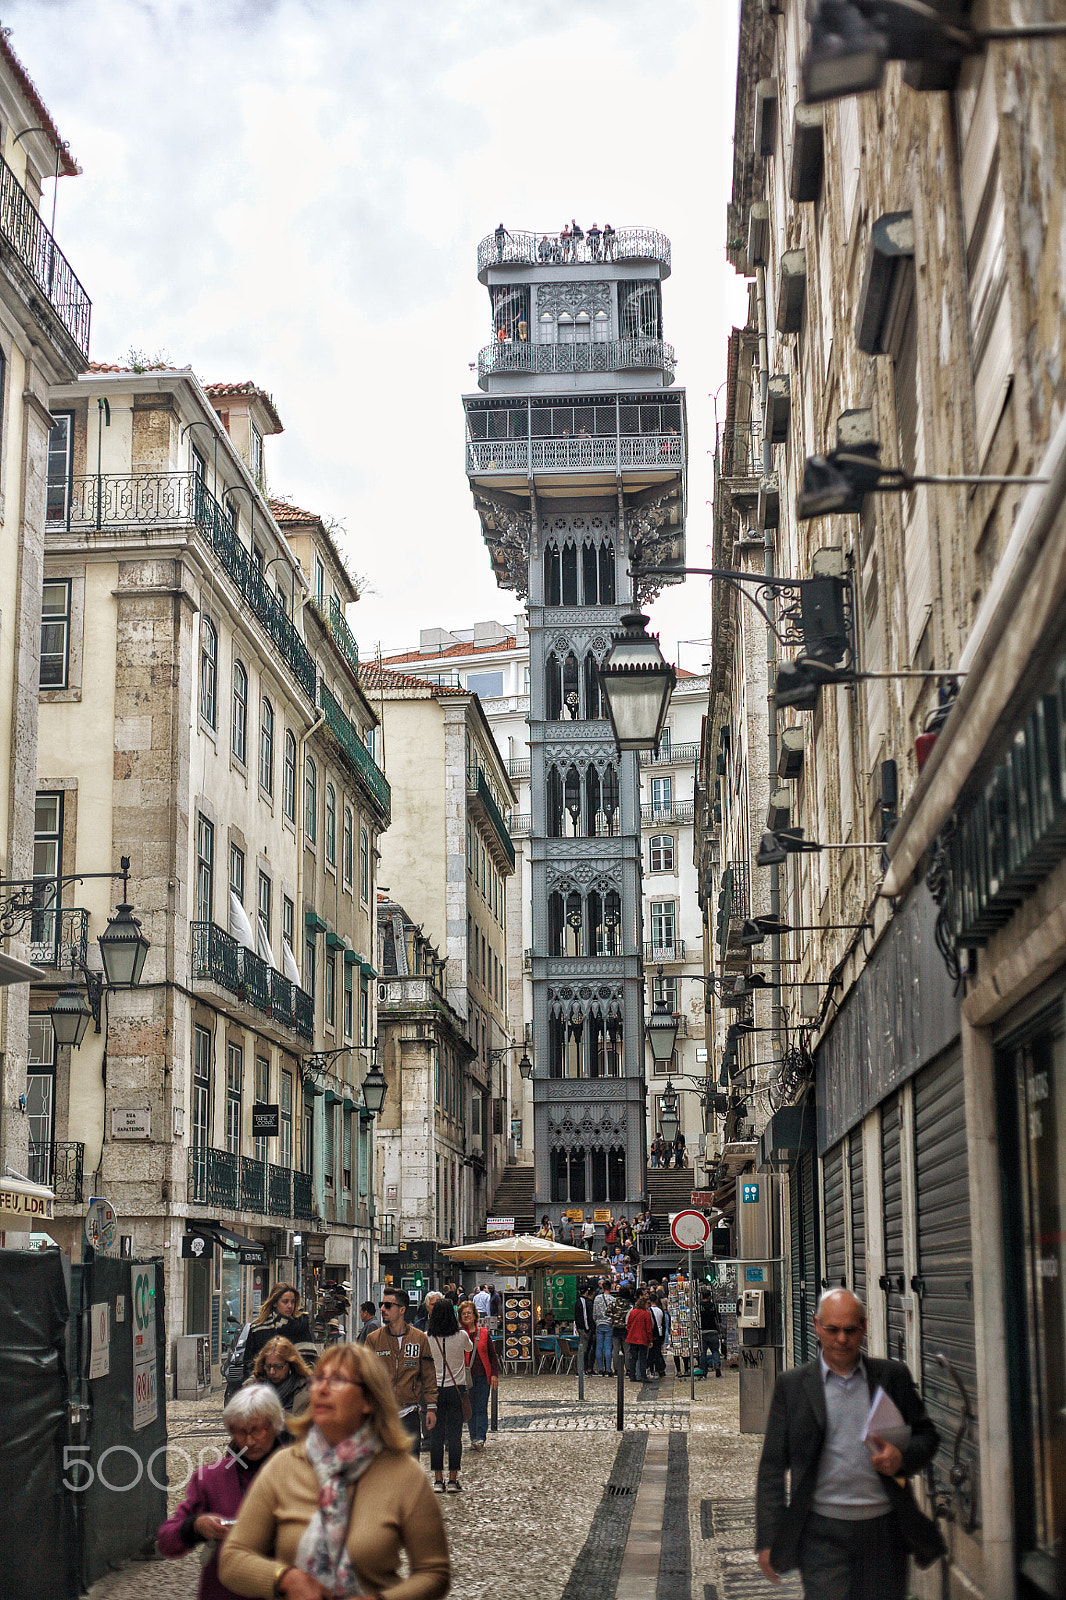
{"x":771,"y":650}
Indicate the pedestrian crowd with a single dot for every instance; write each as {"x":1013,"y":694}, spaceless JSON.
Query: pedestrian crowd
{"x":660,"y":1153}
{"x":571,"y":243}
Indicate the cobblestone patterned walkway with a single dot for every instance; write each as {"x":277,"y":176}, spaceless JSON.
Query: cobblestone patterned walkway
{"x":560,"y":1506}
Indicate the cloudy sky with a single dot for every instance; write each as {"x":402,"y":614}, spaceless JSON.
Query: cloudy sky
{"x":293,"y":191}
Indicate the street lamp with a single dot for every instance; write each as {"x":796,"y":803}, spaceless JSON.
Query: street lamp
{"x":375,"y":1089}
{"x":525,"y":1066}
{"x":668,"y":1118}
{"x":124,"y":949}
{"x":637,"y":682}
{"x":661,"y":1029}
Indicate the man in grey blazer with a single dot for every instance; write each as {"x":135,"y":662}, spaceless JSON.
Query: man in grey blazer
{"x":849,"y":1521}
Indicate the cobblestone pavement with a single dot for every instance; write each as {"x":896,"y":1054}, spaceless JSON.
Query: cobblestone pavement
{"x":555,"y":1506}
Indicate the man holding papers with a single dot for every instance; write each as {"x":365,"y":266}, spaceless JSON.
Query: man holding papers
{"x":849,"y":1429}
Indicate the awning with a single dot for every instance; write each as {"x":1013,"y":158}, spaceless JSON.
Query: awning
{"x":788,"y":1131}
{"x":12,"y":970}
{"x":252,"y":1252}
{"x":24,"y":1204}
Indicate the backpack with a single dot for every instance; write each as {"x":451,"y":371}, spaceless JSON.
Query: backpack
{"x":620,"y":1310}
{"x":611,"y":1236}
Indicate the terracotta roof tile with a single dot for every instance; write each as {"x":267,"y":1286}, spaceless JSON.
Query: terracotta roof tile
{"x":374,"y":677}
{"x":284,"y":512}
{"x":68,"y":167}
{"x":245,"y":390}
{"x":156,"y":366}
{"x":462,"y":649}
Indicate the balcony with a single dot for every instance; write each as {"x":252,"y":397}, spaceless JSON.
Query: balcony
{"x":518,"y":767}
{"x":218,"y":958}
{"x":358,"y":756}
{"x":477,"y":789}
{"x":663,"y":954}
{"x":611,"y":355}
{"x":340,"y":633}
{"x":662,"y":453}
{"x":223,"y":1180}
{"x":738,"y":462}
{"x":670,"y":755}
{"x":26,"y":235}
{"x":114,"y":501}
{"x":387,"y":1235}
{"x":520,"y":824}
{"x":549,"y":249}
{"x":668,"y":811}
{"x":58,"y":934}
{"x":59,"y":1167}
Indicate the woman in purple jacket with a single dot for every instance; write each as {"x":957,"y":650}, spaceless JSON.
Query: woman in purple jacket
{"x":254,"y":1419}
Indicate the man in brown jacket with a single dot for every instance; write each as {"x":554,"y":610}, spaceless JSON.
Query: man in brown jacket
{"x":410,"y":1364}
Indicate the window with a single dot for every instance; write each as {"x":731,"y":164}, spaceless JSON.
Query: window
{"x":329,"y":1124}
{"x":40,"y":1097}
{"x":309,"y":967}
{"x":45,"y":925}
{"x":662,"y":796}
{"x":364,"y":865}
{"x":55,"y":635}
{"x":310,"y":800}
{"x":661,"y":851}
{"x":346,"y":1150}
{"x":266,"y":746}
{"x":288,"y":794}
{"x":60,"y":468}
{"x":234,"y":1076}
{"x":320,"y":581}
{"x":364,"y":1011}
{"x":236,"y":871}
{"x":348,"y":847}
{"x":256,"y":442}
{"x":208,"y":672}
{"x":331,"y":991}
{"x":288,"y":920}
{"x":205,"y":868}
{"x":663,"y":923}
{"x":262,"y":1098}
{"x":239,"y":730}
{"x":331,"y":825}
{"x":349,"y":1008}
{"x":201,"y":1102}
{"x":487,"y":684}
{"x":265,"y":888}
{"x":285,"y":1120}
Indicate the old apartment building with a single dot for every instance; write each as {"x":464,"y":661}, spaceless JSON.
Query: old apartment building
{"x":904,"y":251}
{"x":201,"y":713}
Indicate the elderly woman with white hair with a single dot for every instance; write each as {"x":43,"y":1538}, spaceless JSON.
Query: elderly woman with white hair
{"x":254,"y":1420}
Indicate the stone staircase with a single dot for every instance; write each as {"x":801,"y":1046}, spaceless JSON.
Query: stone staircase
{"x":670,"y":1189}
{"x":514,"y":1197}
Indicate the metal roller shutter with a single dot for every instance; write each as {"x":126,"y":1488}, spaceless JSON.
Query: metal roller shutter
{"x":795,"y":1264}
{"x":858,"y":1214}
{"x":945,"y":1265}
{"x":834,"y":1219}
{"x":803,"y":1265}
{"x":893,"y":1283}
{"x":810,"y":1250}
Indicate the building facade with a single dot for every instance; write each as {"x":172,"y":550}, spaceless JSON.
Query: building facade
{"x":448,"y":859}
{"x":906,"y":267}
{"x":44,"y":341}
{"x":575,"y":452}
{"x":201,"y":716}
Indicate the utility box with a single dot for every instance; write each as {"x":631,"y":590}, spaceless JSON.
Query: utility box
{"x":192,"y":1366}
{"x":758,"y":1374}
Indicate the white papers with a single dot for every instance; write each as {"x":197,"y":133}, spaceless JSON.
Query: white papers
{"x":885,"y":1421}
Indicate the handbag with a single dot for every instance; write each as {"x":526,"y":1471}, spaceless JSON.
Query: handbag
{"x":463,"y":1392}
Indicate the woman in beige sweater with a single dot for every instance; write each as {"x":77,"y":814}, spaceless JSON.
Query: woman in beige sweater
{"x":329,"y":1517}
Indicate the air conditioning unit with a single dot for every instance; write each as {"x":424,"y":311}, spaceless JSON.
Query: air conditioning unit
{"x":283,"y":1243}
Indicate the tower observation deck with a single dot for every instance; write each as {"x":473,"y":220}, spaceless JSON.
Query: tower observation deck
{"x":576,"y":452}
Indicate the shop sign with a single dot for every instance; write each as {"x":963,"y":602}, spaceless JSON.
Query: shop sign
{"x":265,"y":1122}
{"x":499,"y":1225}
{"x":145,"y":1374}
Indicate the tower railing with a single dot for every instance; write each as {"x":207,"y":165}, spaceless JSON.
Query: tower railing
{"x":610,"y":355}
{"x":552,"y":249}
{"x":607,"y":453}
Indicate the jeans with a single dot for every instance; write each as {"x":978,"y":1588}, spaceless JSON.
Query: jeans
{"x":638,"y":1361}
{"x":603,"y":1348}
{"x":587,"y":1349}
{"x":711,"y":1351}
{"x":448,"y":1430}
{"x":852,"y":1560}
{"x":413,"y":1423}
{"x":479,"y":1402}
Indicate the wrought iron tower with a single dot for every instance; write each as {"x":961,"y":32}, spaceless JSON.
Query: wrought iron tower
{"x":576,"y":455}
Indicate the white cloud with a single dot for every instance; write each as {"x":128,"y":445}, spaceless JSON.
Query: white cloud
{"x":293,"y":191}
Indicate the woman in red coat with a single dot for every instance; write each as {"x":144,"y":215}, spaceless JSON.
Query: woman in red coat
{"x":640,"y":1336}
{"x":484,"y":1373}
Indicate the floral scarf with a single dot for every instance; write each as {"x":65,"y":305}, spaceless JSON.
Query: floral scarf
{"x":322,"y":1551}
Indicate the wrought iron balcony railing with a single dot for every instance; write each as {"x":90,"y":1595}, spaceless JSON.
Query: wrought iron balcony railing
{"x":669,"y":950}
{"x":59,"y":934}
{"x":115,"y":500}
{"x":609,"y":355}
{"x":25,"y":233}
{"x":59,"y":1166}
{"x":739,"y":453}
{"x":341,"y":634}
{"x":218,"y":958}
{"x":551,"y":249}
{"x":668,"y":811}
{"x":240,"y":1183}
{"x":359,"y":758}
{"x":477,"y":784}
{"x":675,"y":755}
{"x":387,"y":1231}
{"x":607,"y":453}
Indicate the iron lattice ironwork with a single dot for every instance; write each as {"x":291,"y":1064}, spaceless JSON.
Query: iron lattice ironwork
{"x":22,"y":229}
{"x":60,"y":1167}
{"x":607,"y":356}
{"x":551,"y":249}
